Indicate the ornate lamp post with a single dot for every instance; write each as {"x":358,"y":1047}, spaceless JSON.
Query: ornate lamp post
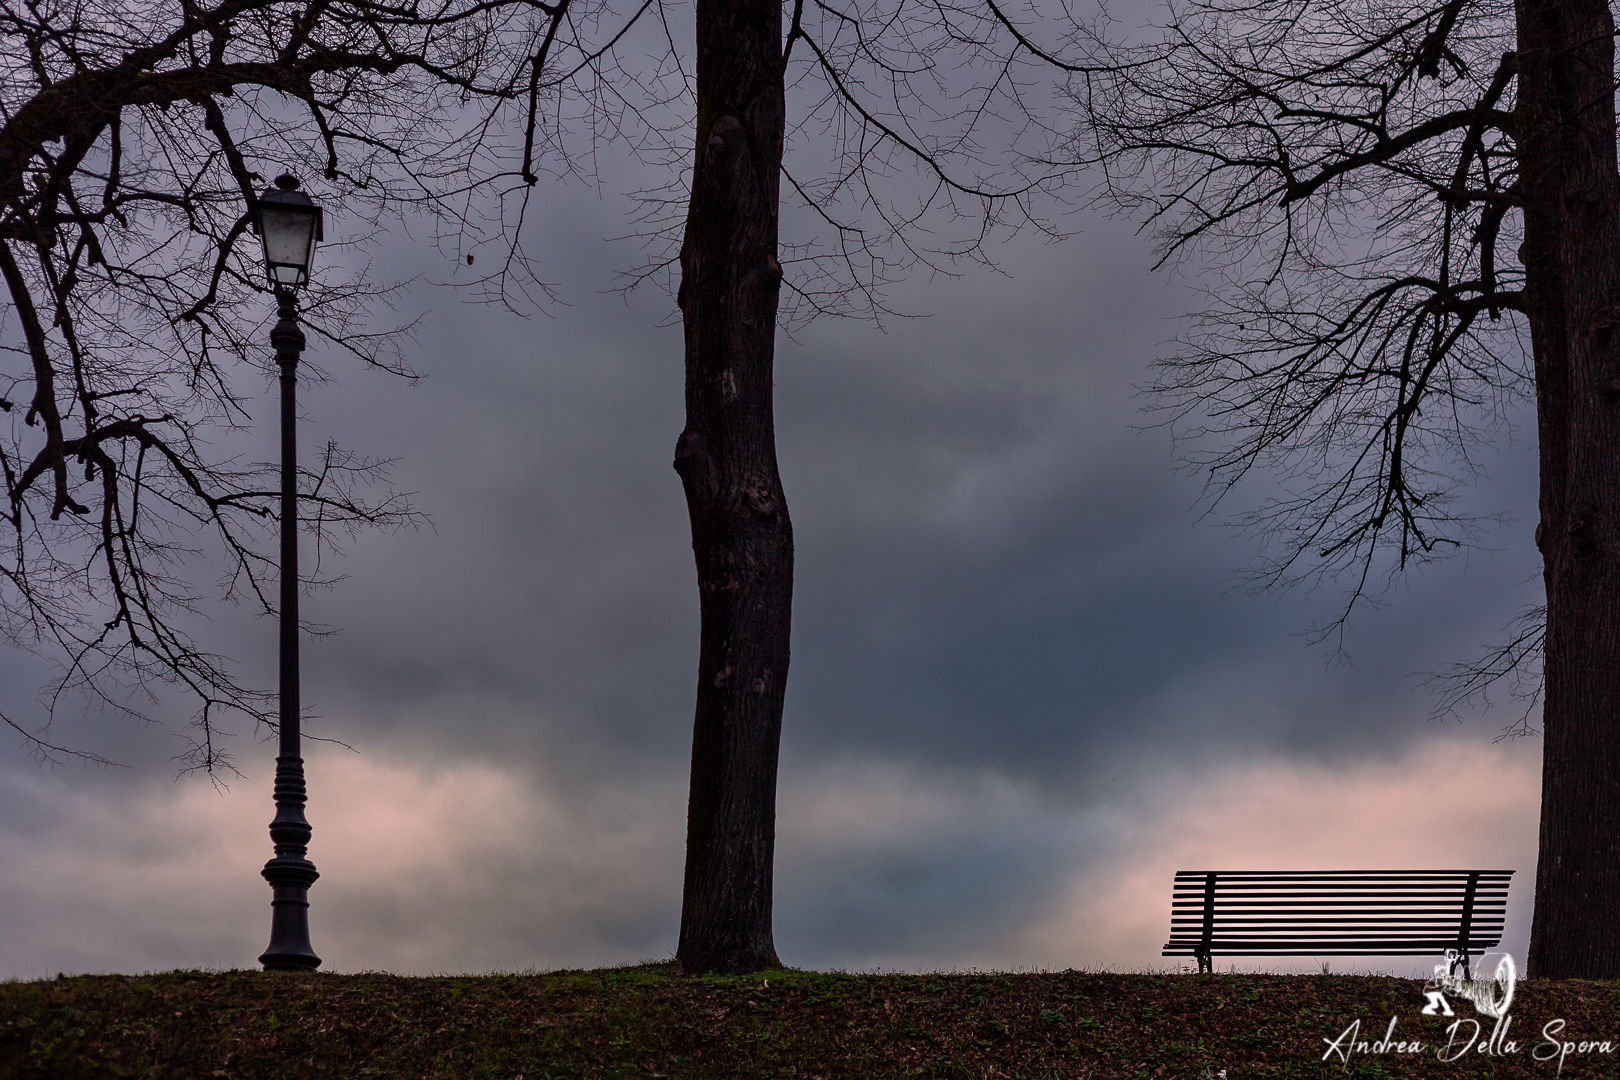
{"x":289,"y":223}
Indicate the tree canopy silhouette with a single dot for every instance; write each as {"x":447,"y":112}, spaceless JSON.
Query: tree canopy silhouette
{"x":1413,"y":214}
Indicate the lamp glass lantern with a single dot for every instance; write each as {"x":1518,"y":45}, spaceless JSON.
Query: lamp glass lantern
{"x":288,"y":223}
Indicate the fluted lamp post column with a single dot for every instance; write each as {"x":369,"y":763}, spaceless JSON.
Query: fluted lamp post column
{"x":289,"y":223}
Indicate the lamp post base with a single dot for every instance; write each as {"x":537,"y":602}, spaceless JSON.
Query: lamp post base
{"x":290,"y":875}
{"x":289,"y":948}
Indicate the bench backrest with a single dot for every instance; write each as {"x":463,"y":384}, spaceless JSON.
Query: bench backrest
{"x":1337,"y":912}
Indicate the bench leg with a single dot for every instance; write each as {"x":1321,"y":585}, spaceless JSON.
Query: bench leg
{"x":1205,"y":962}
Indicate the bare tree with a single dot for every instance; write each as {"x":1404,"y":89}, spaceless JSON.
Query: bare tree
{"x":1414,"y":213}
{"x":133,"y":142}
{"x":879,"y":90}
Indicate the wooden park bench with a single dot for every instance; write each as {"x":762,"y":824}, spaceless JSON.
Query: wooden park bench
{"x":1336,"y":913}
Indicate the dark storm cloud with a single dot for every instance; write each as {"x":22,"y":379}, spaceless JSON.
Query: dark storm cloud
{"x":1018,"y":577}
{"x":1010,"y":630}
{"x":992,"y":565}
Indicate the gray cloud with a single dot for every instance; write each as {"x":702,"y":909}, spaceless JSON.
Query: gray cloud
{"x":1010,"y":631}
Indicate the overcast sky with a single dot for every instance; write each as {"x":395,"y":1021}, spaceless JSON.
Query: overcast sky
{"x":1024,"y":692}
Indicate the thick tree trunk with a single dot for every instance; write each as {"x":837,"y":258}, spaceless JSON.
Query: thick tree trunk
{"x":726,"y":457}
{"x":1571,"y":187}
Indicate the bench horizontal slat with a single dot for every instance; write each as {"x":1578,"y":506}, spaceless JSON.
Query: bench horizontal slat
{"x":1375,"y":944}
{"x":1348,"y":894}
{"x":1428,"y":894}
{"x":1432,"y":905}
{"x":1330,"y":913}
{"x":1369,"y":944}
{"x":1330,"y":935}
{"x":1358,"y":951}
{"x":1415,"y":893}
{"x":1336,"y":912}
{"x":1320,"y":915}
{"x":1337,"y":875}
{"x":1274,"y":924}
{"x":1338,"y":934}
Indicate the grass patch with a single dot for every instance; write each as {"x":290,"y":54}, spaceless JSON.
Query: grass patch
{"x":651,"y":1022}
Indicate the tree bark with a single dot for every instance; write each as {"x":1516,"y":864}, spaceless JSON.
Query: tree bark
{"x":1571,"y":188}
{"x":726,"y":457}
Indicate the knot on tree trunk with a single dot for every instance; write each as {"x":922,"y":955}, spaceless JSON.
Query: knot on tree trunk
{"x":727,"y":134}
{"x":761,"y":497}
{"x":696,"y":467}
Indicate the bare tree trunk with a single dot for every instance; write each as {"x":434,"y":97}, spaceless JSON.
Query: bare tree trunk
{"x":726,"y":457}
{"x":1571,"y":188}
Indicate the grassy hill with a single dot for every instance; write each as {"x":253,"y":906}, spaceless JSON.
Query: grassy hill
{"x":651,"y":1022}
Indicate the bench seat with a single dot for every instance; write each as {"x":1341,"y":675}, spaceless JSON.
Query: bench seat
{"x":1336,"y":913}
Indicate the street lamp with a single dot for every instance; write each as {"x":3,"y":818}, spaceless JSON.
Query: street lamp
{"x":288,"y":223}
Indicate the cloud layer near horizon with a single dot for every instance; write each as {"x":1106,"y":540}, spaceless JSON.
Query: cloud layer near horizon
{"x":482,"y":866}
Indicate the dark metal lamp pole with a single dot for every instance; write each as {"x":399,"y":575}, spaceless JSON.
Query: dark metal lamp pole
{"x":289,"y":224}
